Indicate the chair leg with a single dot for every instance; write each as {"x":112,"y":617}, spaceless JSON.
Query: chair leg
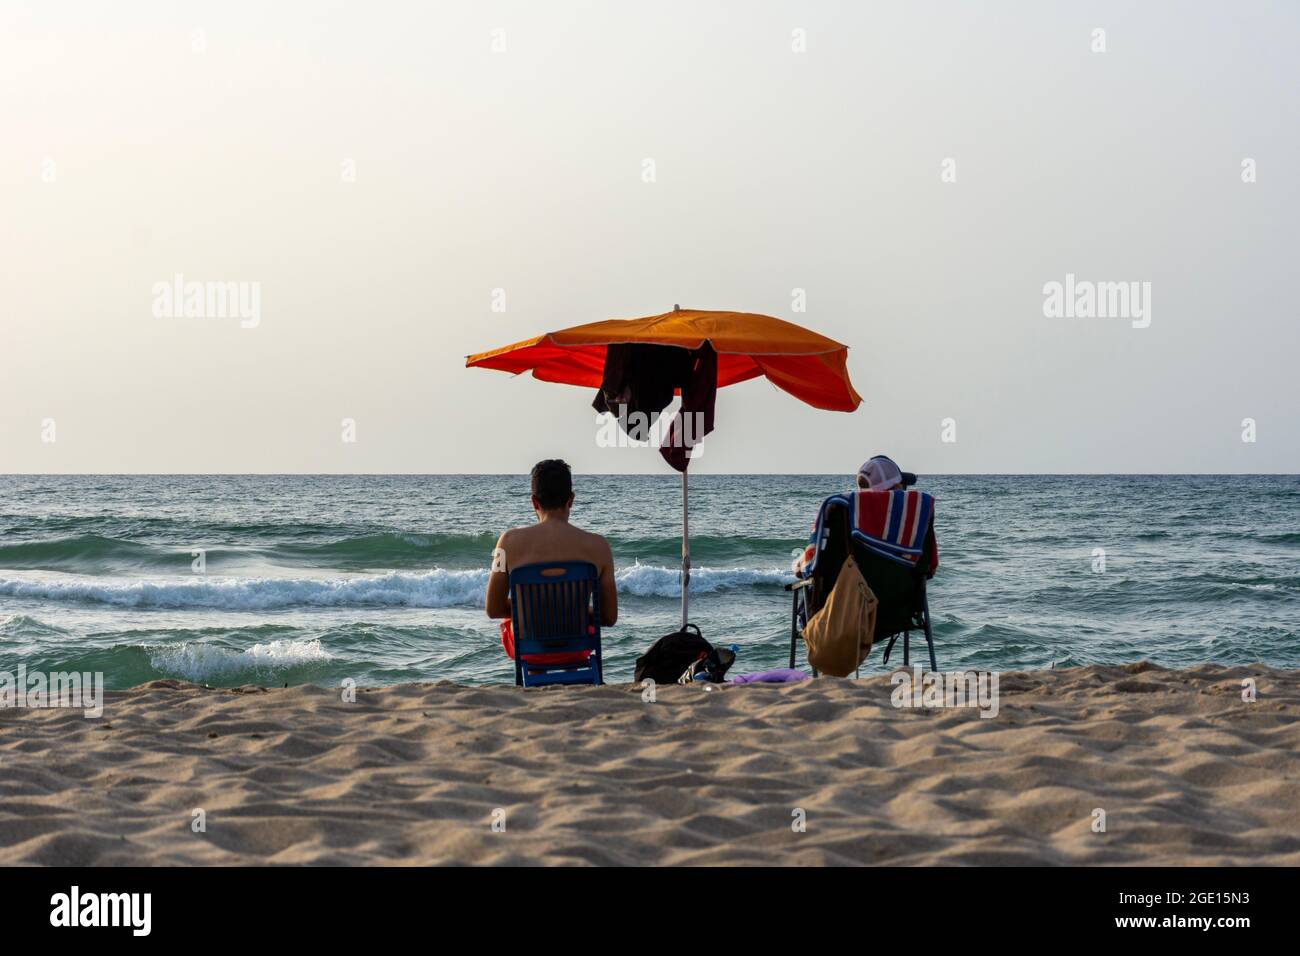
{"x":907,"y":651}
{"x":794,"y":626}
{"x":929,"y":637}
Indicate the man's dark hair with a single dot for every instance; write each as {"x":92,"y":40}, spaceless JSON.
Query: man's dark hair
{"x":552,"y":483}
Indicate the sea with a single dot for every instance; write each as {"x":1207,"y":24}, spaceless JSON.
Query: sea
{"x":275,"y":580}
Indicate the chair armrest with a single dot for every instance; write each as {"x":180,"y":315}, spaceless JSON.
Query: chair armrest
{"x":797,"y":585}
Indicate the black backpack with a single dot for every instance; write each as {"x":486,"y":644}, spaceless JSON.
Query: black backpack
{"x":669,"y":657}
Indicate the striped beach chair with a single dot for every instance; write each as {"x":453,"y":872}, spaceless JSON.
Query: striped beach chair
{"x":555,"y":618}
{"x":891,"y":537}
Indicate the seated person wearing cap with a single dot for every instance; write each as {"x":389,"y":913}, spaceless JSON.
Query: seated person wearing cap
{"x":552,"y":538}
{"x":876,"y":474}
{"x":882,"y":474}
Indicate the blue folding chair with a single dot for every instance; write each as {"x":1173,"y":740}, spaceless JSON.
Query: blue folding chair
{"x":555,"y":609}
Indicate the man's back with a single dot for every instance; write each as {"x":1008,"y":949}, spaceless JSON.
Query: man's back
{"x":551,"y":540}
{"x":554,"y":541}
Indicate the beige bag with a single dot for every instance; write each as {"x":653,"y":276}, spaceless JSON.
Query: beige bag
{"x":839,"y":635}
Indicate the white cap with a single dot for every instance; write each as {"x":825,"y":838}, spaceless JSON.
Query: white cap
{"x":880,"y":474}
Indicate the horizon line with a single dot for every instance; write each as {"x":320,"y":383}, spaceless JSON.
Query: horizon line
{"x":634,"y":474}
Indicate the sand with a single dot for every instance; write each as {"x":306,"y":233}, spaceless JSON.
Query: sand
{"x":1185,"y":770}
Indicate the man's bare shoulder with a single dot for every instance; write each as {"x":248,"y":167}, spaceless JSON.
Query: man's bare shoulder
{"x":525,"y":532}
{"x":596,"y":546}
{"x":514,"y":539}
{"x":592,"y":537}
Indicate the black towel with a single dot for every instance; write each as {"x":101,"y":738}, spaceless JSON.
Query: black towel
{"x":698,"y":395}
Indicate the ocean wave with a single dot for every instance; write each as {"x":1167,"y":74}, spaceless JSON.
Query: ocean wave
{"x":1255,"y":582}
{"x":644,"y":580}
{"x":432,"y":589}
{"x":388,"y":550}
{"x":438,"y":588}
{"x":86,"y":551}
{"x":24,"y":625}
{"x":205,"y":662}
{"x":1281,"y":537}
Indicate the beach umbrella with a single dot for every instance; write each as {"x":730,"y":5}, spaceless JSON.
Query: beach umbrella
{"x":799,"y":361}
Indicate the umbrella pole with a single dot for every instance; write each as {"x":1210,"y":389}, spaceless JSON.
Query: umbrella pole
{"x":686,"y":555}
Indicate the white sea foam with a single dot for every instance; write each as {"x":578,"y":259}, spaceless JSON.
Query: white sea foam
{"x":647,"y":580}
{"x":430,"y":589}
{"x":437,"y":588}
{"x":202,"y":662}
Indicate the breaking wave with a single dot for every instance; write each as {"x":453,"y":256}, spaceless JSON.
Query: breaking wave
{"x":430,"y":589}
{"x":206,"y":662}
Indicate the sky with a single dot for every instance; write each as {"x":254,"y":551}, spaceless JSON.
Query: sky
{"x":392,"y":186}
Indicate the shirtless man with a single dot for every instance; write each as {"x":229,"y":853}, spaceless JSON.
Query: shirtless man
{"x":553,"y":538}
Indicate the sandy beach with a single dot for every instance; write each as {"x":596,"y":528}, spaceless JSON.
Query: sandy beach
{"x":1186,"y":771}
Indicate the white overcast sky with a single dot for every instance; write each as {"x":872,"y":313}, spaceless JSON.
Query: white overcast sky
{"x":146,"y":139}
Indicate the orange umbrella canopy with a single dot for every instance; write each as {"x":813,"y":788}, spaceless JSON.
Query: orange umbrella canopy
{"x":809,"y":366}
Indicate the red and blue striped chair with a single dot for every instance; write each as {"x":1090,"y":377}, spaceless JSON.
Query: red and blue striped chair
{"x":891,"y":537}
